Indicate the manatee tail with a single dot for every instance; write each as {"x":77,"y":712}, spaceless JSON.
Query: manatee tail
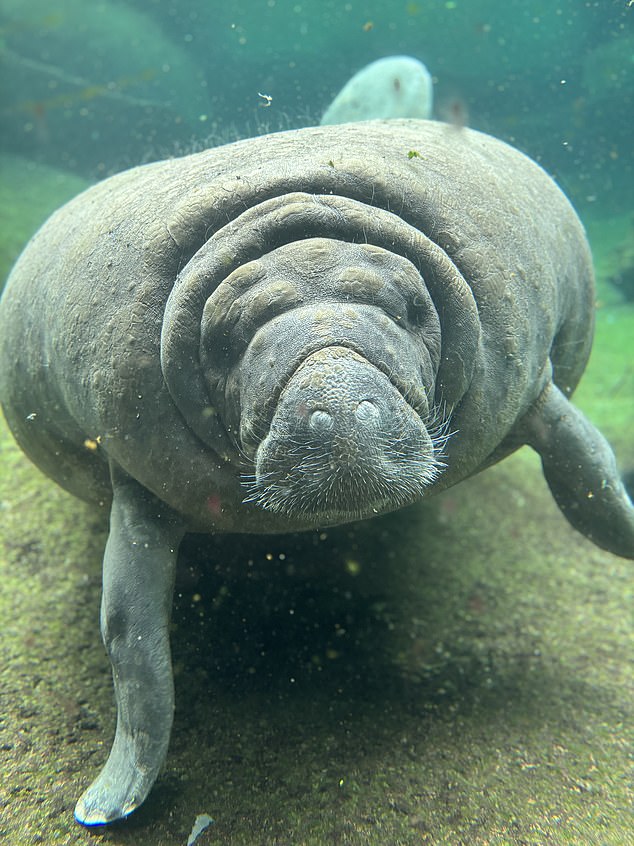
{"x":581,"y":471}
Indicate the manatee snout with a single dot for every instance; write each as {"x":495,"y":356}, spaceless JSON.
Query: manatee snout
{"x":343,"y":443}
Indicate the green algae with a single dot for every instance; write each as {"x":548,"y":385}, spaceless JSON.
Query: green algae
{"x":466,"y":681}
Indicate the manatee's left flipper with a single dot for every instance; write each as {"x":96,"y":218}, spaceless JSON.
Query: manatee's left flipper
{"x":581,"y":471}
{"x":138,"y":579}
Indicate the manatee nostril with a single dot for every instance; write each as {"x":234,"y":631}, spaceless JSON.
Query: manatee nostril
{"x":320,"y":420}
{"x":366,"y":412}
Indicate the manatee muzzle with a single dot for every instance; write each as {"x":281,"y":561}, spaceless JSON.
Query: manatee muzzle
{"x":343,"y":444}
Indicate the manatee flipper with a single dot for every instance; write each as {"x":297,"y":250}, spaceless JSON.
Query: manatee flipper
{"x":138,"y":580}
{"x":581,"y":471}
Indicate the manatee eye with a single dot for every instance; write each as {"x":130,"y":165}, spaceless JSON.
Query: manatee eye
{"x":418,"y":310}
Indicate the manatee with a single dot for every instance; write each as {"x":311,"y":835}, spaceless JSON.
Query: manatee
{"x":292,"y":331}
{"x":392,"y":87}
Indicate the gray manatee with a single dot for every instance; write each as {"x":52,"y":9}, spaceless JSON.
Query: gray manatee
{"x":293,"y":331}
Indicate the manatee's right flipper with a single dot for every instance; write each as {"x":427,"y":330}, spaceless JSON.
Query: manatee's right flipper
{"x":580,"y":469}
{"x":138,"y":578}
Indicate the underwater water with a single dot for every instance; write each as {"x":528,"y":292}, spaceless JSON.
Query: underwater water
{"x":459,"y":672}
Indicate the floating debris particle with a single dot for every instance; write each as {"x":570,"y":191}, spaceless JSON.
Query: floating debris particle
{"x":353,"y":567}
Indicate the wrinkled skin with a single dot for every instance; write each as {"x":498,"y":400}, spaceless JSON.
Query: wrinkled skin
{"x":296,"y":330}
